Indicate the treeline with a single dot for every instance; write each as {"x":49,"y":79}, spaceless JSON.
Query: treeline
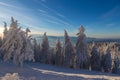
{"x":18,"y":46}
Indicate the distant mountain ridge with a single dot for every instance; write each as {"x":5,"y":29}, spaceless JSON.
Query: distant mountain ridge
{"x":52,"y":39}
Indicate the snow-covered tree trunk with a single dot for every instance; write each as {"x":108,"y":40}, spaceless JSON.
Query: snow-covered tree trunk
{"x":82,"y":56}
{"x":68,"y":52}
{"x":107,"y":63}
{"x":17,"y":45}
{"x":95,"y":59}
{"x":45,"y":55}
{"x":57,"y":52}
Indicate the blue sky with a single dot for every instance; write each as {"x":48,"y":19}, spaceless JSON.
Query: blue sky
{"x":101,"y":18}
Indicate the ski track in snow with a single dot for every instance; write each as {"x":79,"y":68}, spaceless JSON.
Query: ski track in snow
{"x":49,"y":72}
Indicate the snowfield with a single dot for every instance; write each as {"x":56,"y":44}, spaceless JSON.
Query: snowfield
{"x":38,"y":71}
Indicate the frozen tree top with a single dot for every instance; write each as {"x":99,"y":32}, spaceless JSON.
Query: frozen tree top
{"x":66,"y":36}
{"x":44,"y":33}
{"x":12,"y":19}
{"x":44,"y":36}
{"x":28,"y":30}
{"x":81,"y":30}
{"x":5,"y":24}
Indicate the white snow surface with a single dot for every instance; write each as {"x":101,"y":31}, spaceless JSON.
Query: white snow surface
{"x":39,"y":71}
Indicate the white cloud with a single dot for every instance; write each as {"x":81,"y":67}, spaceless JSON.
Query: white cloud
{"x":112,"y":13}
{"x":43,"y":11}
{"x":59,"y":17}
{"x":43,"y":0}
{"x":9,"y":5}
{"x":5,"y":4}
{"x":56,"y":20}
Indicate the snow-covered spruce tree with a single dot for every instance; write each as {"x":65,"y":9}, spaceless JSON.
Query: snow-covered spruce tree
{"x":17,"y":45}
{"x":116,"y":67}
{"x":62,"y":54}
{"x":5,"y":30}
{"x":68,"y":52}
{"x":82,"y":56}
{"x":51,"y":52}
{"x":102,"y":53}
{"x":1,"y":56}
{"x":0,"y":41}
{"x":107,"y":63}
{"x":57,"y":52}
{"x":36,"y":49}
{"x":45,"y":55}
{"x":95,"y":59}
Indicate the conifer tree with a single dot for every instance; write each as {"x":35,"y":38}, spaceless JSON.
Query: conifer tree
{"x":116,"y":67}
{"x":1,"y":55}
{"x":52,"y":54}
{"x":68,"y":52}
{"x":82,"y":56}
{"x":0,"y":41}
{"x":36,"y":50}
{"x":45,"y":55}
{"x":95,"y":59}
{"x":107,"y":63}
{"x":5,"y":30}
{"x":62,"y":54}
{"x":17,"y":45}
{"x":57,"y":52}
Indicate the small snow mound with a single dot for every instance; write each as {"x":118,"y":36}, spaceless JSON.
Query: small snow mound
{"x":9,"y":76}
{"x":15,"y":76}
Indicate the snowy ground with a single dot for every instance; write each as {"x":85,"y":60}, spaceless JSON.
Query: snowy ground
{"x":49,"y":72}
